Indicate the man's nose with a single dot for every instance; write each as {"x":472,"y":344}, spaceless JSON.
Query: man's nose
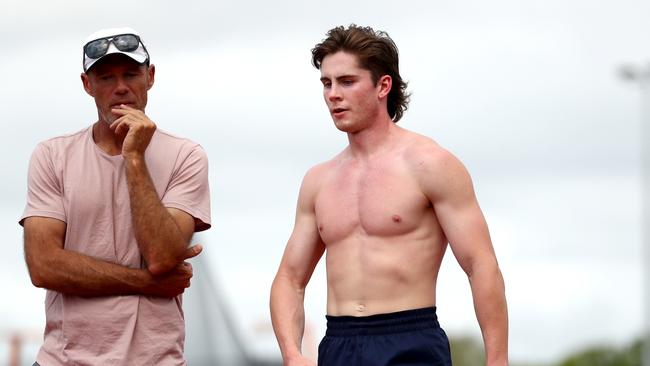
{"x":334,"y":92}
{"x":121,"y":87}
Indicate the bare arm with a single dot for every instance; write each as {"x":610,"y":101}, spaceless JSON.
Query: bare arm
{"x":449,"y":187}
{"x":162,"y":233}
{"x":303,"y":251}
{"x":52,"y":267}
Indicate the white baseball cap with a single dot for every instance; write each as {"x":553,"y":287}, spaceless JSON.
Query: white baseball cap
{"x":114,"y":40}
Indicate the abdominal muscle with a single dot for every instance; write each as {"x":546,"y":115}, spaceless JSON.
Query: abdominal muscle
{"x":370,"y":274}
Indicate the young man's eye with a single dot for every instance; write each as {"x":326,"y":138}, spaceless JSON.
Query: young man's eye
{"x":347,"y":82}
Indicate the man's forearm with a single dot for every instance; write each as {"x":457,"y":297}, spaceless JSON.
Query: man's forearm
{"x":159,"y":238}
{"x":488,"y":291}
{"x":78,"y":274}
{"x":287,"y":316}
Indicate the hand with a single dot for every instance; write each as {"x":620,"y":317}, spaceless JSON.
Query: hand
{"x":174,"y":282}
{"x":136,"y":128}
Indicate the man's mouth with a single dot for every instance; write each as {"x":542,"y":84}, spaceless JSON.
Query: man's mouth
{"x":338,"y":111}
{"x":118,"y":105}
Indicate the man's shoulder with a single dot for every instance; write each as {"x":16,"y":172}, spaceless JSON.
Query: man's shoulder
{"x":68,"y":138}
{"x":164,"y":142}
{"x":423,"y":148}
{"x":166,"y":137}
{"x":63,"y":142}
{"x":320,"y":170}
{"x":425,"y":155}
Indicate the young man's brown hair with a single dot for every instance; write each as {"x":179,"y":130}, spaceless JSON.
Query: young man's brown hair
{"x":376,"y":52}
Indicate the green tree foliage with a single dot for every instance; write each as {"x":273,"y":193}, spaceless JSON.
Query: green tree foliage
{"x":466,"y":351}
{"x":606,"y":356}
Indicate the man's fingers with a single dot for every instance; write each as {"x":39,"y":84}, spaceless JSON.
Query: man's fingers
{"x":120,"y":111}
{"x":192,"y":251}
{"x":128,"y":107}
{"x":120,"y":124}
{"x":123,"y":109}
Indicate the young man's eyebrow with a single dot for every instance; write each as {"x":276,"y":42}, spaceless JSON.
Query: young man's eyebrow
{"x":347,"y":76}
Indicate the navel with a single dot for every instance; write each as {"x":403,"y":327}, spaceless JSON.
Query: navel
{"x":360,"y":308}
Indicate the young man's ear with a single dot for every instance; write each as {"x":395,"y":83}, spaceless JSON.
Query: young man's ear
{"x":86,"y":84}
{"x":385,"y":83}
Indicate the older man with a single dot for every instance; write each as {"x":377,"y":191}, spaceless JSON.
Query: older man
{"x":110,"y":212}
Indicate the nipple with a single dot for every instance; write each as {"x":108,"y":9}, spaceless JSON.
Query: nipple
{"x":397,"y":219}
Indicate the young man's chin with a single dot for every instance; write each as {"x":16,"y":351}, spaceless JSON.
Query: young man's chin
{"x":348,"y":126}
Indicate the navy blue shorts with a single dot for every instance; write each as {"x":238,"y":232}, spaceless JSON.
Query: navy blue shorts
{"x":411,"y":337}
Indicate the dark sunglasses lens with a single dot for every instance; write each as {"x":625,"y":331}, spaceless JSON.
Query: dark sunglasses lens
{"x":126,"y":43}
{"x":96,"y":49}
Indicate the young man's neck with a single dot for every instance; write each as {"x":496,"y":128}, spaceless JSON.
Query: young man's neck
{"x":373,"y":139}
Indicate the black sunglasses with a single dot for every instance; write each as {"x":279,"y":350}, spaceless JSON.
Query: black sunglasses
{"x":123,"y":42}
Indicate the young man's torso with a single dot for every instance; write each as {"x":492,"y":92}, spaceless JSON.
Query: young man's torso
{"x":384,"y":243}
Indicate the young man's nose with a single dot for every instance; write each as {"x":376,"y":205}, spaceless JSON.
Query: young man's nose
{"x":334,"y":93}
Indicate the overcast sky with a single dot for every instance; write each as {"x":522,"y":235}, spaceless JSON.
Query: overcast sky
{"x":525,"y":93}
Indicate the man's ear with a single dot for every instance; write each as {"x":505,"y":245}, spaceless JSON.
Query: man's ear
{"x":152,"y":73}
{"x":86,"y":83}
{"x":385,"y":83}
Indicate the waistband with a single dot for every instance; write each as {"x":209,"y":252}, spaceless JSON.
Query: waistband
{"x":401,"y":321}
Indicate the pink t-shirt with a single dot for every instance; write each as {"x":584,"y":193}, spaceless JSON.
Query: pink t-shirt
{"x":72,"y":180}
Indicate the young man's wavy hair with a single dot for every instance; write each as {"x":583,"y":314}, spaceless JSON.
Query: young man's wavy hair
{"x":376,"y":53}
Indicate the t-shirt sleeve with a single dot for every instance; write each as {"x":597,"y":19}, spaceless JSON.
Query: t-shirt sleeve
{"x":44,"y":189}
{"x":189,"y":190}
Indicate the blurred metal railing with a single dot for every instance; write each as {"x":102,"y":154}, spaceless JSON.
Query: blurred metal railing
{"x":640,"y":75}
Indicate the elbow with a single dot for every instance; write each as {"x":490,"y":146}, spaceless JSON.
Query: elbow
{"x":37,"y":281}
{"x":36,"y":276}
{"x":36,"y":269}
{"x":157,"y":268}
{"x":160,"y":262}
{"x":483,"y":270}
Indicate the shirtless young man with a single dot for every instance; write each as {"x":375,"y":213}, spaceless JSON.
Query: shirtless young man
{"x":384,"y":209}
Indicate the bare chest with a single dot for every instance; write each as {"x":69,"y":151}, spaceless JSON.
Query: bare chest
{"x":377,"y":200}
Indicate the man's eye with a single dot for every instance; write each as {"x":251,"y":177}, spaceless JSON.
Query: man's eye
{"x":347,"y":82}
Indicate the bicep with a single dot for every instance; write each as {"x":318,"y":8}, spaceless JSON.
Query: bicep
{"x":467,"y":232}
{"x":459,"y":214}
{"x":43,"y":236}
{"x":185,"y":222}
{"x":305,"y":247}
{"x":303,"y":251}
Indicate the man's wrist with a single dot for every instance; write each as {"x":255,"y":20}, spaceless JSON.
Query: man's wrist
{"x":497,"y":362}
{"x":292,"y":355}
{"x":134,"y":158}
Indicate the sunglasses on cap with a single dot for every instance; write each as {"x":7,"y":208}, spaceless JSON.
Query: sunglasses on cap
{"x":123,"y":42}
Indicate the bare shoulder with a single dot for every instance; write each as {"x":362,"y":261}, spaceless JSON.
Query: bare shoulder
{"x":314,"y":178}
{"x":435,"y":168}
{"x":423,"y":153}
{"x":319,"y":172}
